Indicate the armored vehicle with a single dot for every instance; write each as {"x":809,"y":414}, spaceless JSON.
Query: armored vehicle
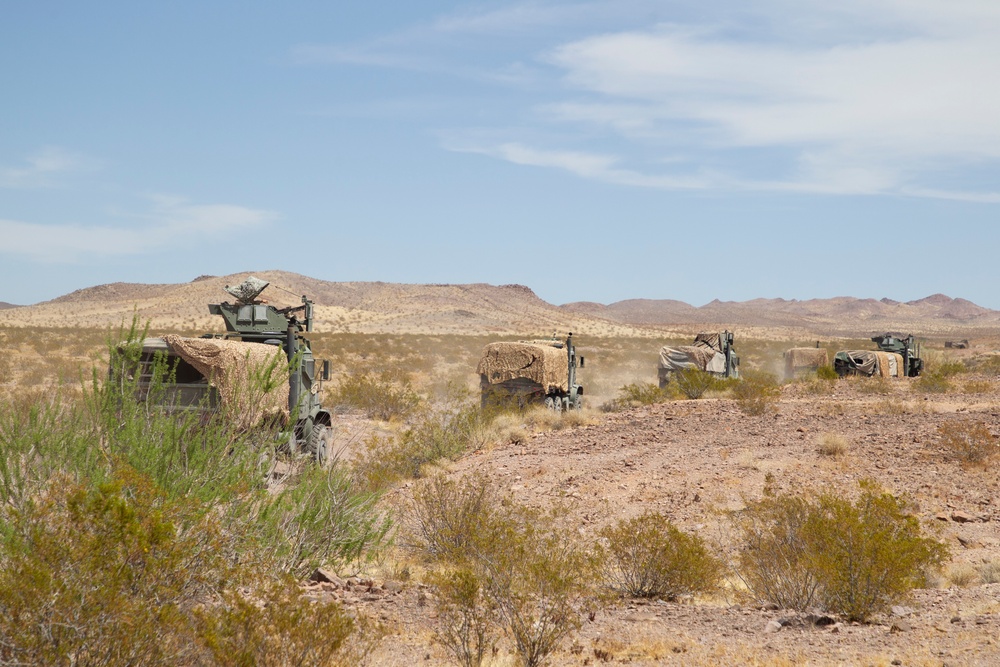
{"x":260,"y":342}
{"x":710,"y":352}
{"x":539,"y":371}
{"x":897,"y":356}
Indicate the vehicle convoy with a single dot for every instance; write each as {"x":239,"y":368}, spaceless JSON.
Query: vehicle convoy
{"x":211,"y":372}
{"x":710,"y":352}
{"x":897,"y":356}
{"x":526,"y":372}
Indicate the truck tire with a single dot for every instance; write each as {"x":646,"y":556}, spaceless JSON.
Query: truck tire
{"x":320,"y":442}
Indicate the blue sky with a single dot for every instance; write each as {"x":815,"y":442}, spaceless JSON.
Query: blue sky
{"x":590,"y":150}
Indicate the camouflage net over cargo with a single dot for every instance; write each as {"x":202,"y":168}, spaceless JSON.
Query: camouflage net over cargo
{"x":544,"y":364}
{"x":805,"y":358}
{"x":867,"y":362}
{"x":686,"y":356}
{"x":229,"y":366}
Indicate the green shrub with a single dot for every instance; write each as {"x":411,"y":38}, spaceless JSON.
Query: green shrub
{"x":444,"y":517}
{"x":855,"y":559}
{"x":757,"y":392}
{"x":511,"y":565}
{"x":772,"y":557}
{"x":385,"y":395}
{"x":640,"y":393}
{"x":693,"y":383}
{"x":436,"y":435}
{"x":536,"y":577}
{"x":826,"y":373}
{"x":971,"y":443}
{"x":278,"y":628}
{"x":104,"y":574}
{"x":648,"y":557}
{"x":467,"y":621}
{"x":933,"y":383}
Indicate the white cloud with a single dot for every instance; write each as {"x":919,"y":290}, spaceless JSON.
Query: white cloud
{"x":855,"y":117}
{"x":170,"y":222}
{"x":587,"y":165}
{"x":41,"y":167}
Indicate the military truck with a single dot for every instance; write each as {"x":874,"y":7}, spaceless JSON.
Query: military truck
{"x":526,"y":372}
{"x":210,"y":372}
{"x":710,"y":352}
{"x":897,"y":356}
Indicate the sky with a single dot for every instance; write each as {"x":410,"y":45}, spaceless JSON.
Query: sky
{"x":593,"y":151}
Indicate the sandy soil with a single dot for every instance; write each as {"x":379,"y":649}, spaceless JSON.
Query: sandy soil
{"x":694,"y":460}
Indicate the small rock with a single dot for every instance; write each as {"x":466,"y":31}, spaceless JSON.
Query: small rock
{"x":900,"y":625}
{"x":392,"y":586}
{"x":772,"y":627}
{"x":897,"y":661}
{"x":956,"y":619}
{"x":941,"y":516}
{"x":962,"y":517}
{"x":901,"y":611}
{"x":324,"y":576}
{"x":801,"y":429}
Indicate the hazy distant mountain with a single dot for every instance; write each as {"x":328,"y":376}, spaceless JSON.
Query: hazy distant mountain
{"x":838,"y":315}
{"x":4,"y":305}
{"x":377,"y":307}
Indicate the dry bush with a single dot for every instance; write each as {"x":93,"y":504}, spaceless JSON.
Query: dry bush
{"x":962,"y":575}
{"x":989,"y":573}
{"x":831,"y":444}
{"x":649,"y":557}
{"x":853,"y":558}
{"x":757,"y":392}
{"x":971,"y":443}
{"x":977,"y":387}
{"x":874,"y":385}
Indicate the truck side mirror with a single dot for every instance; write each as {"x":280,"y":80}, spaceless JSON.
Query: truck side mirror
{"x":326,"y":369}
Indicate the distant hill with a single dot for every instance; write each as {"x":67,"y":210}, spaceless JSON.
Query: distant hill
{"x":4,"y":305}
{"x":362,"y":307}
{"x":838,"y":316}
{"x":378,"y":307}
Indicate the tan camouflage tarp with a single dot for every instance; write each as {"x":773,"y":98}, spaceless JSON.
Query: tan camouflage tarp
{"x":805,"y":358}
{"x":886,"y":364}
{"x":229,"y":365}
{"x":544,"y":364}
{"x":686,"y":356}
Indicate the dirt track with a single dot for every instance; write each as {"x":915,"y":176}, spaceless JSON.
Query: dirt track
{"x":692,"y":461}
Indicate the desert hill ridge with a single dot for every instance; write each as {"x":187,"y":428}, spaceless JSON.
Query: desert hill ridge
{"x":480,"y":308}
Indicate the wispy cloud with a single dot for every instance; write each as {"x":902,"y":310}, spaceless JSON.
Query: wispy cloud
{"x":41,"y":169}
{"x":854,"y":97}
{"x":588,"y":165}
{"x":169,"y":222}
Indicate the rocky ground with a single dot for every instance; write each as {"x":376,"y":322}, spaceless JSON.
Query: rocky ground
{"x":694,"y":461}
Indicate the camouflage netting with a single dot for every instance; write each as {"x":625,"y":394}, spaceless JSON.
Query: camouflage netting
{"x":867,"y":362}
{"x":805,"y":358}
{"x":686,"y":356}
{"x":544,"y":364}
{"x":229,"y":366}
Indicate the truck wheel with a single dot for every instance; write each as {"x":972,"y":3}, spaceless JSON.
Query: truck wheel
{"x":319,"y":443}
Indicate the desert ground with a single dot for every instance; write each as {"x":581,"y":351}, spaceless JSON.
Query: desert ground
{"x":695,"y":461}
